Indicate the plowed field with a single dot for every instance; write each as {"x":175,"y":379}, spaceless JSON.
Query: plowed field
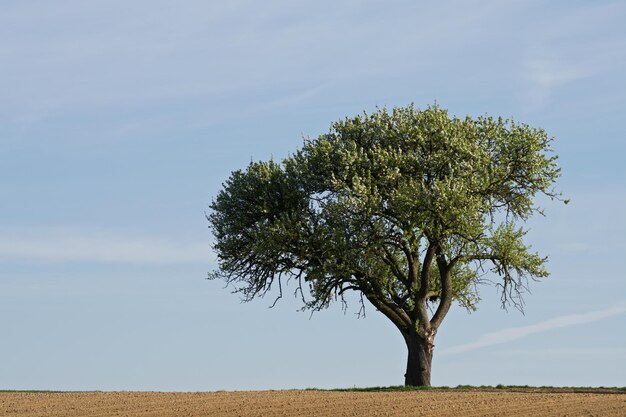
{"x":314,"y":403}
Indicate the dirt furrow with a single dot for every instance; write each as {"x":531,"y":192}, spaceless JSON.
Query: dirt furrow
{"x":469,"y":403}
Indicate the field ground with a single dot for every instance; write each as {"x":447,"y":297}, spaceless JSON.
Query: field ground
{"x":437,"y":402}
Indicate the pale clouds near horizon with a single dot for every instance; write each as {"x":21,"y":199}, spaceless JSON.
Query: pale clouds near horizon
{"x":98,"y":246}
{"x":511,"y":334}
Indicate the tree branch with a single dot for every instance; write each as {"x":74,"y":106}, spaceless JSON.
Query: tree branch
{"x":445,"y":276}
{"x":425,"y":271}
{"x":420,"y":311}
{"x":395,"y":268}
{"x":393,"y":311}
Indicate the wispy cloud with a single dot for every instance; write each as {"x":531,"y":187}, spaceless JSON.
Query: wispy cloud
{"x":578,"y":44}
{"x":560,"y":352}
{"x":141,"y":53}
{"x":98,"y":247}
{"x":513,"y":333}
{"x":546,"y":73}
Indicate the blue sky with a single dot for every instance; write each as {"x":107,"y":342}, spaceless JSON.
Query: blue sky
{"x":120,"y":120}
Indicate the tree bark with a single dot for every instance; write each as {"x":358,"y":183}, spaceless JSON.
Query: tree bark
{"x":419,"y":361}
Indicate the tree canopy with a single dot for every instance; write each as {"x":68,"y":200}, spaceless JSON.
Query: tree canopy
{"x":410,"y":208}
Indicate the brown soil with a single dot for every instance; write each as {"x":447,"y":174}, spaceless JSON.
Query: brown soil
{"x":466,"y":403}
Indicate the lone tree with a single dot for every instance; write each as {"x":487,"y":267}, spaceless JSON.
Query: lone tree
{"x":411,"y":209}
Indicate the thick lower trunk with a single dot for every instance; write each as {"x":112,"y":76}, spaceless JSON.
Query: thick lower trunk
{"x":420,"y":355}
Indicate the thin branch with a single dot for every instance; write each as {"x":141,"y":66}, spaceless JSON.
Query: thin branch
{"x":280,"y":290}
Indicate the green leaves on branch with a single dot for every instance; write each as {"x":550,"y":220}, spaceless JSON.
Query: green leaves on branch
{"x":358,"y":208}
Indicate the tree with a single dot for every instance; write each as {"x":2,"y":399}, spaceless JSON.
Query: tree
{"x":410,"y":208}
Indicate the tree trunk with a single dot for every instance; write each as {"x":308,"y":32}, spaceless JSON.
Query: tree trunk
{"x":420,"y":355}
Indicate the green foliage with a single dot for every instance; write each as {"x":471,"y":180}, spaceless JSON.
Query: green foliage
{"x":411,"y":208}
